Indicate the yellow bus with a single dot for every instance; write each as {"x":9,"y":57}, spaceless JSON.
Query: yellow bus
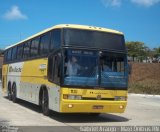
{"x":69,"y":69}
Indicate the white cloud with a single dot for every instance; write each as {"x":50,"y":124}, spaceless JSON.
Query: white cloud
{"x":146,"y":3}
{"x":115,"y":3}
{"x":14,"y":14}
{"x":118,"y":3}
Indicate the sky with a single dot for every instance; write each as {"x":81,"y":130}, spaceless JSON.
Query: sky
{"x":139,"y":20}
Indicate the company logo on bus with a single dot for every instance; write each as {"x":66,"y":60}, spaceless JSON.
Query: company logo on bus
{"x":98,"y":97}
{"x":15,"y":69}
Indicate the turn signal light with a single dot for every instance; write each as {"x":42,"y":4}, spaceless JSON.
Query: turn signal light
{"x":121,"y":106}
{"x":70,"y":106}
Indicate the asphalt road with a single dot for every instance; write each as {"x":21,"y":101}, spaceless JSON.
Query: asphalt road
{"x":141,"y":111}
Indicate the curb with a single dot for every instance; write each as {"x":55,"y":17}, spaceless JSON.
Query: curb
{"x":144,"y":95}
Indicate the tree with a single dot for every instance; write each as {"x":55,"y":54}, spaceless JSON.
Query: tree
{"x":1,"y":50}
{"x":156,"y":52}
{"x":137,"y":50}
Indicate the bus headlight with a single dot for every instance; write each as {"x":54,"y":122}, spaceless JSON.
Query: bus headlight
{"x":72,"y":97}
{"x":120,"y":98}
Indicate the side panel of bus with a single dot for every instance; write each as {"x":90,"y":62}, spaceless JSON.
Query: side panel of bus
{"x":29,"y":77}
{"x":34,"y":77}
{"x":4,"y":78}
{"x":14,"y":75}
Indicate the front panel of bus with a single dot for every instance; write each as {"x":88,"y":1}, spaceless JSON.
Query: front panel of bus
{"x":94,"y":72}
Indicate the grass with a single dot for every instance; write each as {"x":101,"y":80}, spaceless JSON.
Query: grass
{"x":147,"y":86}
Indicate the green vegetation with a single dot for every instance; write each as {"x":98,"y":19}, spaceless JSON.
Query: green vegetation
{"x":148,"y":86}
{"x":141,"y":52}
{"x":149,"y":82}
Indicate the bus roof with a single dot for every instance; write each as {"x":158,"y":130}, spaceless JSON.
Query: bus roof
{"x":74,"y":26}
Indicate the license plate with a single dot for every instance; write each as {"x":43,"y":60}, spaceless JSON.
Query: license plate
{"x":97,"y":106}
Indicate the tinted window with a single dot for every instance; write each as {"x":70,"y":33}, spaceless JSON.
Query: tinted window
{"x":34,"y":47}
{"x":50,"y":68}
{"x":44,"y":44}
{"x":113,"y":70}
{"x":14,"y":53}
{"x":26,"y":51}
{"x":112,"y":62}
{"x":19,"y":51}
{"x":9,"y":55}
{"x":95,"y":39}
{"x":56,"y":39}
{"x":81,"y":68}
{"x":54,"y":66}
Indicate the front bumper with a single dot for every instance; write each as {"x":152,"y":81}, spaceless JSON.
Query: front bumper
{"x":92,"y":106}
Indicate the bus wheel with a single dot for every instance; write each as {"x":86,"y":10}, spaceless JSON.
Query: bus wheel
{"x":94,"y":114}
{"x":9,"y":92}
{"x":14,"y":93}
{"x":45,"y":103}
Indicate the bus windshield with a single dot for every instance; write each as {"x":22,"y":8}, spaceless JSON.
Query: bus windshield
{"x":80,"y":68}
{"x":90,"y":68}
{"x":113,"y":69}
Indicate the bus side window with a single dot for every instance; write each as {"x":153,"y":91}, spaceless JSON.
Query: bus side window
{"x":44,"y":44}
{"x":57,"y":69}
{"x":26,"y":50}
{"x":55,"y":39}
{"x":9,"y":55}
{"x":14,"y":53}
{"x":50,"y":68}
{"x":34,"y":47}
{"x":19,"y":51}
{"x":54,"y":68}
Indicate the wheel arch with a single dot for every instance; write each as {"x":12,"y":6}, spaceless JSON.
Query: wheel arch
{"x":42,"y":88}
{"x":9,"y":84}
{"x":14,"y":92}
{"x":14,"y":83}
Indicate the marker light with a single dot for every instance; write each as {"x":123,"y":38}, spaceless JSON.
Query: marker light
{"x":121,"y":106}
{"x":70,"y":106}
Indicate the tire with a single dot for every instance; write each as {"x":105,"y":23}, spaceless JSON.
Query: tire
{"x":94,"y":114}
{"x":45,"y":103}
{"x":9,"y":91}
{"x":14,"y":93}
